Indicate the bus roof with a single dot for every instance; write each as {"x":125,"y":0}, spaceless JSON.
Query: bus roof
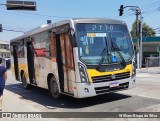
{"x":97,"y":20}
{"x":59,"y":23}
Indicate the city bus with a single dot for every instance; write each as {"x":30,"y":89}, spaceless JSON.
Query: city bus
{"x":77,"y":57}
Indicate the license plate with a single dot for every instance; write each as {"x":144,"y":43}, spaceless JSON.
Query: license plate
{"x":114,"y":84}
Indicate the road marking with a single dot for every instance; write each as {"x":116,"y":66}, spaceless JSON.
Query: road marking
{"x":143,"y":75}
{"x":50,"y":107}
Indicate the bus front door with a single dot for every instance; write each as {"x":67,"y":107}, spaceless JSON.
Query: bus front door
{"x":65,"y":62}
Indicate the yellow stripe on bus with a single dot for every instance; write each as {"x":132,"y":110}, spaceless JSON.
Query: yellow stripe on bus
{"x":94,"y":72}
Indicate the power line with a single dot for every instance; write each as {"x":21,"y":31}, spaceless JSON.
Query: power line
{"x":37,"y":15}
{"x":148,"y":8}
{"x":43,"y":15}
{"x":150,"y":5}
{"x":156,"y":28}
{"x":16,"y":27}
{"x":14,"y":30}
{"x":127,"y":14}
{"x":31,"y":16}
{"x":62,"y":17}
{"x":152,"y":11}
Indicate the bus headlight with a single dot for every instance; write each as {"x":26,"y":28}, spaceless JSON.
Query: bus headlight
{"x":82,"y":73}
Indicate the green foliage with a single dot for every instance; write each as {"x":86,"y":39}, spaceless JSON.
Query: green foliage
{"x":147,"y":31}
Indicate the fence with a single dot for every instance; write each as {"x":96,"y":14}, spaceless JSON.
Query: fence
{"x":152,"y":61}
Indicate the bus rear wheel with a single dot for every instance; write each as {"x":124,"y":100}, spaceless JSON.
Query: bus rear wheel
{"x":24,"y":82}
{"x":54,"y":90}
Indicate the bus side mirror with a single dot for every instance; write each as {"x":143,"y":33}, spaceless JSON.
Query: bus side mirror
{"x":72,"y":37}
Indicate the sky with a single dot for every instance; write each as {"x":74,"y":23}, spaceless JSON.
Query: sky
{"x":57,"y":10}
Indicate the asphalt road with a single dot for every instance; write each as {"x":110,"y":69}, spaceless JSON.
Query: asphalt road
{"x":144,"y":98}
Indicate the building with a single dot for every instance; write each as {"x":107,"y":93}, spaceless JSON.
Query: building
{"x":4,"y":49}
{"x":150,"y":47}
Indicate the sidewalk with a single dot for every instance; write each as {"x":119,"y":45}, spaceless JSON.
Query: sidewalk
{"x":151,"y":70}
{"x":13,"y":102}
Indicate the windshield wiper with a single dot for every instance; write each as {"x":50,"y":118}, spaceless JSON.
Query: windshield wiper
{"x":106,"y":49}
{"x":115,"y":47}
{"x":102,"y":57}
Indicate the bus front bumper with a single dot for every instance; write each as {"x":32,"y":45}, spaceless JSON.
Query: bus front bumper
{"x":93,"y":89}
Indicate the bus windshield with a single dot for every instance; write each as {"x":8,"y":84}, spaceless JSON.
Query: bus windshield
{"x":93,"y":39}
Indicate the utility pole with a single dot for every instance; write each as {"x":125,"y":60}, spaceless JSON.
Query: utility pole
{"x":137,"y":44}
{"x":140,"y":41}
{"x":138,"y":32}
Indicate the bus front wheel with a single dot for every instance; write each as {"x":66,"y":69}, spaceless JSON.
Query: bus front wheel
{"x":24,"y":82}
{"x":54,"y":90}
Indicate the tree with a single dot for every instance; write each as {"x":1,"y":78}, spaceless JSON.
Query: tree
{"x":147,"y":31}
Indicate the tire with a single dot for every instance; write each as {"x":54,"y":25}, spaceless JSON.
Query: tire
{"x":24,"y":82}
{"x":54,"y":90}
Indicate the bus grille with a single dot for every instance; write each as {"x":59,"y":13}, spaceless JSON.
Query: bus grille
{"x":107,"y":78}
{"x":105,"y":89}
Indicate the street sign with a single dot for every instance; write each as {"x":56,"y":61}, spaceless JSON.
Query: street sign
{"x":20,"y":5}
